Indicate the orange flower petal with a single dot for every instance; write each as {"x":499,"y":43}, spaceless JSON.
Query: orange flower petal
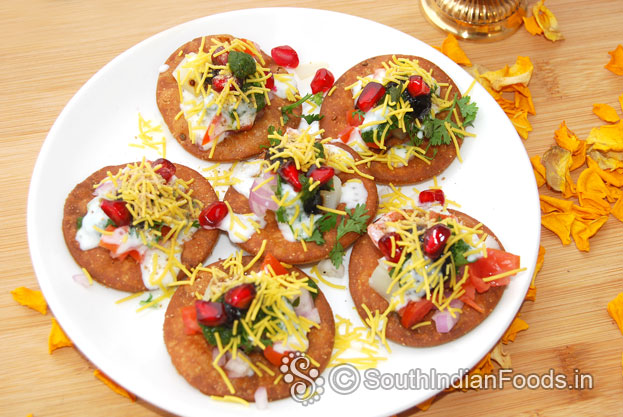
{"x":566,"y":139}
{"x":531,"y":295}
{"x":519,"y":73}
{"x":605,"y":112}
{"x":607,"y":138}
{"x":591,"y":187}
{"x":569,"y":190}
{"x":30,"y":298}
{"x":582,"y":230}
{"x":559,"y":223}
{"x":521,"y":123}
{"x":621,"y":101}
{"x":518,"y":325}
{"x":539,"y":170}
{"x":425,"y":405}
{"x":553,"y":204}
{"x":450,"y":48}
{"x":547,"y":21}
{"x":617,"y":209}
{"x":608,"y":160}
{"x":587,"y":213}
{"x":113,"y":385}
{"x":57,"y":338}
{"x":532,"y":26}
{"x":616,"y":60}
{"x":523,"y":98}
{"x":578,"y":157}
{"x":615,"y":309}
{"x":614,"y":177}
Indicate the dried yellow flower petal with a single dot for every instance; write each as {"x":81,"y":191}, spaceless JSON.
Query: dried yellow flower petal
{"x":523,"y":98}
{"x":425,"y":405}
{"x":519,"y":73}
{"x":531,"y":295}
{"x":518,"y":325}
{"x":532,"y":26}
{"x":539,"y":170}
{"x":113,"y":385}
{"x":617,"y":209}
{"x":553,"y":204}
{"x":615,"y":309}
{"x":560,"y":224}
{"x":57,"y":338}
{"x":607,"y":138}
{"x":611,"y":176}
{"x":547,"y":21}
{"x":587,"y":212}
{"x":616,"y":60}
{"x":566,"y":139}
{"x":30,"y":298}
{"x":502,"y":358}
{"x":557,"y":162}
{"x":607,"y":160}
{"x":521,"y":123}
{"x":605,"y":112}
{"x":582,"y":230}
{"x":621,"y":101}
{"x":450,"y":48}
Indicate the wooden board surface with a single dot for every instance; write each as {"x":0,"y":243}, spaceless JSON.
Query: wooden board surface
{"x":49,"y":49}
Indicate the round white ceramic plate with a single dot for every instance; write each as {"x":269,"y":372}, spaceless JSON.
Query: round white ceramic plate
{"x":494,"y":183}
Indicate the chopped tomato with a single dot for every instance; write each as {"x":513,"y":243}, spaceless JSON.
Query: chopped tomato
{"x":469,"y":297}
{"x":215,"y":128}
{"x":121,"y":256}
{"x":275,"y":265}
{"x":354,"y":117}
{"x":496,"y":262}
{"x":273,"y":356}
{"x":414,"y":312}
{"x":189,"y":317}
{"x":344,"y":135}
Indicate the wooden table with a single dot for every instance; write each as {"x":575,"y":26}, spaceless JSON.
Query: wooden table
{"x":49,"y":49}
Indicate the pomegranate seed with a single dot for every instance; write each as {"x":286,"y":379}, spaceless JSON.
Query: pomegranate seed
{"x":432,"y":196}
{"x":323,"y":81}
{"x":212,"y":215}
{"x":371,"y":93}
{"x":240,"y":296}
{"x":285,"y":56}
{"x":322,"y":174}
{"x":220,"y":81}
{"x":289,"y":173}
{"x":417,"y":86}
{"x":435,"y":239}
{"x":220,"y":59}
{"x":210,"y":313}
{"x":385,"y":245}
{"x":270,"y":83}
{"x":117,"y":212}
{"x":166,"y":170}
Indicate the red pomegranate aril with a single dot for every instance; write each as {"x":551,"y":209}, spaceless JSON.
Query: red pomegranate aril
{"x":432,"y":196}
{"x":385,"y":245}
{"x":212,"y":215}
{"x":240,"y":296}
{"x":117,"y":212}
{"x":322,"y":174}
{"x":289,"y":173}
{"x":435,"y":239}
{"x":210,"y":313}
{"x":270,"y":83}
{"x":323,"y":81}
{"x":417,"y":86}
{"x":285,"y":56}
{"x":370,"y":95}
{"x":166,"y":170}
{"x":221,"y":58}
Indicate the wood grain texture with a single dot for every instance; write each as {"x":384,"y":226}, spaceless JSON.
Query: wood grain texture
{"x":50,"y":49}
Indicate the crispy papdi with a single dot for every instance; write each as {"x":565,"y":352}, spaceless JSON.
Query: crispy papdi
{"x":126,"y":275}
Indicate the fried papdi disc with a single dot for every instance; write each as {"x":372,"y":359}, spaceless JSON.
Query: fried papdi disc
{"x":192,"y":355}
{"x":336,"y":106}
{"x":363,"y":262}
{"x":236,"y":146}
{"x":126,"y":275}
{"x":294,"y":252}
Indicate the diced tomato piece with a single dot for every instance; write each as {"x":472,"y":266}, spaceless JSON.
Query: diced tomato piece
{"x":166,"y":170}
{"x":213,"y":129}
{"x":189,"y":317}
{"x":414,"y":312}
{"x":344,"y":135}
{"x":289,"y":173}
{"x":469,"y":297}
{"x":273,"y":356}
{"x":121,"y":256}
{"x":496,"y":262}
{"x":322,"y":174}
{"x":270,"y":83}
{"x":354,"y":118}
{"x":274,"y":263}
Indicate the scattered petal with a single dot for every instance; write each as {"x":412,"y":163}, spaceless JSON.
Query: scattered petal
{"x":559,"y":223}
{"x":113,"y":385}
{"x":425,"y":405}
{"x":582,"y":230}
{"x":605,"y":112}
{"x":30,"y":298}
{"x":557,"y":162}
{"x":57,"y":338}
{"x":502,"y":358}
{"x":531,"y":295}
{"x":553,"y":204}
{"x":452,"y":50}
{"x":607,"y":160}
{"x":617,"y":209}
{"x":521,"y":123}
{"x":532,"y":26}
{"x":547,"y":21}
{"x":615,"y":309}
{"x":616,"y":60}
{"x":611,"y":176}
{"x":566,"y":139}
{"x":516,"y":326}
{"x":519,"y":73}
{"x":523,"y":98}
{"x":621,"y":101}
{"x":539,"y":170}
{"x":607,"y":138}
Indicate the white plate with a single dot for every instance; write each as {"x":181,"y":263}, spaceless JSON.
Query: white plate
{"x":494,"y":184}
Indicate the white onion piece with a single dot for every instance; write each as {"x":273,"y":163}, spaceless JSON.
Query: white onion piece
{"x":81,"y":279}
{"x":306,"y":307}
{"x":261,"y":199}
{"x":238,"y":368}
{"x":380,"y":280}
{"x":261,"y":398}
{"x":104,"y":188}
{"x":331,"y":199}
{"x":223,"y":359}
{"x":327,"y":269}
{"x":444,"y":322}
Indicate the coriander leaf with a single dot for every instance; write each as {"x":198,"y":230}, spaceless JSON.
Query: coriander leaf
{"x":310,"y":118}
{"x":336,"y":255}
{"x":458,"y":253}
{"x":312,"y":284}
{"x":281,"y":215}
{"x":315,"y":237}
{"x":317,"y":98}
{"x":355,"y":223}
{"x":319,"y":150}
{"x":196,"y":224}
{"x":79,"y":222}
{"x":468,"y":110}
{"x":147,"y":300}
{"x":327,"y":222}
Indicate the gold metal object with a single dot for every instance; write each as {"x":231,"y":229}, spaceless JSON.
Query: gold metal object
{"x":485,"y":20}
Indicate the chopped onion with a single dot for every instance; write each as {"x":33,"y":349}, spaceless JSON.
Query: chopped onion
{"x":306,"y":307}
{"x":327,"y":269}
{"x":261,"y":199}
{"x":238,"y":368}
{"x":444,"y":322}
{"x":261,"y":398}
{"x":331,"y":199}
{"x":104,"y":188}
{"x":82,"y":280}
{"x":223,"y":359}
{"x":380,"y":280}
